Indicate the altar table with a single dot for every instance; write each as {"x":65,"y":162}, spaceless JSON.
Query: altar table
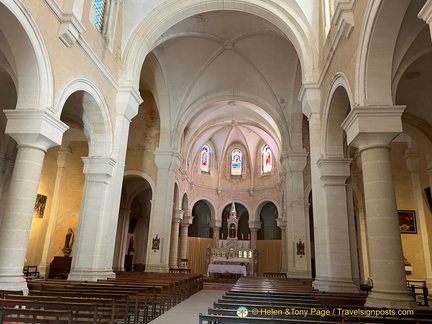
{"x":223,"y":268}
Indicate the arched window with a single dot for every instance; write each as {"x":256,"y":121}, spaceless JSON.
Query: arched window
{"x":100,"y":9}
{"x":205,"y":159}
{"x":236,"y":162}
{"x":267,"y":159}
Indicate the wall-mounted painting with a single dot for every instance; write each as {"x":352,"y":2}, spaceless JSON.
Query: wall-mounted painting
{"x":40,"y":205}
{"x":407,"y":221}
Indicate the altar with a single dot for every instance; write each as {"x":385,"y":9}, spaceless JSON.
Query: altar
{"x":226,"y":268}
{"x":232,"y":255}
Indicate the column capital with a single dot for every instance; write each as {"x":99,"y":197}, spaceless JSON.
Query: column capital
{"x":167,"y":159}
{"x":426,"y":12}
{"x":310,"y":97}
{"x":281,"y":222}
{"x":334,"y":170}
{"x":254,"y":225}
{"x":128,"y":100}
{"x":216,"y":223}
{"x":412,"y":160}
{"x":35,"y":128}
{"x":370,"y":126}
{"x":100,"y":169}
{"x":186,"y":221}
{"x":296,"y":161}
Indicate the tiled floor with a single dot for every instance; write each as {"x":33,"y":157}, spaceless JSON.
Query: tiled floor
{"x":187,"y":311}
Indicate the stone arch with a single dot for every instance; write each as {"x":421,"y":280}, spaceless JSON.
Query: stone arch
{"x":28,"y":56}
{"x":96,"y":121}
{"x":338,"y":104}
{"x":281,"y":15}
{"x":201,"y":227}
{"x":266,"y":222}
{"x":375,"y":51}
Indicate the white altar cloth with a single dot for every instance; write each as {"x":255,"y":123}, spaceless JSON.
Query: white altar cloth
{"x":223,"y":268}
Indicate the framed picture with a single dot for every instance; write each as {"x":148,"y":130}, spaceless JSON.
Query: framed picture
{"x":407,"y":221}
{"x":40,"y":205}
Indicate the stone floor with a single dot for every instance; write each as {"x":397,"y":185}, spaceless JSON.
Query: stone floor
{"x":187,"y":311}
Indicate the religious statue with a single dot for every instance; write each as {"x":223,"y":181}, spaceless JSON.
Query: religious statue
{"x":155,"y":243}
{"x":232,"y":231}
{"x":69,"y":240}
{"x":300,"y":248}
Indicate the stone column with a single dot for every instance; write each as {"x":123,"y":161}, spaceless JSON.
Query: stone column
{"x":161,"y":214}
{"x":254,"y":226}
{"x":90,"y":258}
{"x":63,"y":158}
{"x":6,"y":167}
{"x":412,"y":161}
{"x":35,"y":131}
{"x":216,"y":224}
{"x":310,"y":98}
{"x":127,"y":103}
{"x":362,"y":244}
{"x":335,"y":255}
{"x":184,"y":225}
{"x":121,"y":243}
{"x":177,"y":217}
{"x":355,"y":268}
{"x":371,"y":129}
{"x":297,"y":225}
{"x":282,"y":223}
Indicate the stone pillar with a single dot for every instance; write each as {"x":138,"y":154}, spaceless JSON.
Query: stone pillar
{"x":63,"y":158}
{"x":362,"y":244}
{"x":282,"y":223}
{"x":121,"y":243}
{"x":177,"y":217}
{"x":6,"y":167}
{"x":371,"y":129}
{"x":184,"y":225}
{"x":297,"y":225}
{"x":216,"y":224}
{"x":35,"y":131}
{"x":254,"y":226}
{"x":310,"y":98}
{"x":412,"y":161}
{"x":127,"y":103}
{"x":335,"y":255}
{"x":161,"y":216}
{"x":91,"y":260}
{"x":355,"y":268}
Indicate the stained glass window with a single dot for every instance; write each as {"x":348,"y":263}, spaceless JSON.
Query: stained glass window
{"x":236,"y":162}
{"x":99,"y":7}
{"x":205,"y":159}
{"x":267,"y":159}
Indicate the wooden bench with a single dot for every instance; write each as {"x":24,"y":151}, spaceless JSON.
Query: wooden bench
{"x":81,"y":312}
{"x":35,"y":316}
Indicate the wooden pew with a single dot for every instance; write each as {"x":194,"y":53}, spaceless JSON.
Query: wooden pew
{"x":35,"y":316}
{"x":126,"y":307}
{"x":84,"y":313}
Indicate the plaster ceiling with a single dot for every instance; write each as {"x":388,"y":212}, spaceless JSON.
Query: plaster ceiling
{"x":230,"y":76}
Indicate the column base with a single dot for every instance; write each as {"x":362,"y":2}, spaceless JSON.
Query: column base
{"x":156,"y":268}
{"x":335,"y":285}
{"x":90,"y":274}
{"x":390,"y":299}
{"x":16,"y":283}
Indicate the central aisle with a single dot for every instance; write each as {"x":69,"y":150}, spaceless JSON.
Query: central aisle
{"x":187,"y":311}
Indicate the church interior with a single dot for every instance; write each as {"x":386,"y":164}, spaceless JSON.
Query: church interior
{"x":219,"y":137}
